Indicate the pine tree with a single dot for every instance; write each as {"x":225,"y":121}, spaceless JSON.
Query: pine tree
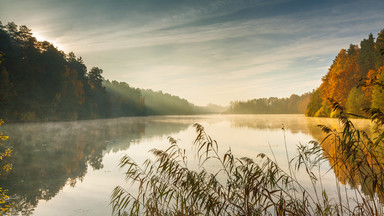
{"x":367,"y":55}
{"x":379,"y":48}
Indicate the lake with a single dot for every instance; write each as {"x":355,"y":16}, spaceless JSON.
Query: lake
{"x":71,"y":168}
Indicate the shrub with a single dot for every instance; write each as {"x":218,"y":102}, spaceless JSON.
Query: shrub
{"x":5,"y":167}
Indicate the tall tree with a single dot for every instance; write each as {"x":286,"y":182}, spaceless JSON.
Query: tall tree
{"x":343,"y":75}
{"x":324,"y":111}
{"x":378,"y":91}
{"x":98,"y":98}
{"x":367,"y":55}
{"x":315,"y":103}
{"x":379,"y":46}
{"x":293,"y":103}
{"x":356,"y":101}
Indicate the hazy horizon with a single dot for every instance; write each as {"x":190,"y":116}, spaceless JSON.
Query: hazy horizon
{"x":204,"y":51}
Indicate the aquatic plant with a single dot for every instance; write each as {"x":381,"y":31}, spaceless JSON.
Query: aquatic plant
{"x":167,"y":186}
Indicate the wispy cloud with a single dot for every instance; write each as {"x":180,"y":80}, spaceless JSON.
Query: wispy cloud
{"x":213,"y":51}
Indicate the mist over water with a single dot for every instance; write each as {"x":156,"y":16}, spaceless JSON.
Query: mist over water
{"x":71,"y":168}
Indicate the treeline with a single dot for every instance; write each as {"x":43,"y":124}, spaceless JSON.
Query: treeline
{"x":159,"y":103}
{"x":354,"y":80}
{"x":273,"y":105}
{"x":38,"y":82}
{"x":124,"y":100}
{"x":129,"y":101}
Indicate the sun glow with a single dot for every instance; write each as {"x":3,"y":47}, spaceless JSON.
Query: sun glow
{"x":40,"y":37}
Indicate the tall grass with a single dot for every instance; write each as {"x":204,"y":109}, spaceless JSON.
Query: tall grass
{"x":167,"y":186}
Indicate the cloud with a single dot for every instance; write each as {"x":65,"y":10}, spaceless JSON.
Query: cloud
{"x":205,"y":51}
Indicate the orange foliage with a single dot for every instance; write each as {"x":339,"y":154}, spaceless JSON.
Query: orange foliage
{"x":343,"y":75}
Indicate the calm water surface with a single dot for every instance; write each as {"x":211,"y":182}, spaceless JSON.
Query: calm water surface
{"x":71,"y":168}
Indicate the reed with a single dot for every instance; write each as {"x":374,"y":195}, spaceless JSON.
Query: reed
{"x":166,"y":186}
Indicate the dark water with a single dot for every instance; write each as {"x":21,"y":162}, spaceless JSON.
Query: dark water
{"x":70,"y":168}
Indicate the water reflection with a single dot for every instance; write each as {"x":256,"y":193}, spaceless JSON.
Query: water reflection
{"x":47,"y":156}
{"x":345,"y":167}
{"x":362,"y":169}
{"x":293,"y":123}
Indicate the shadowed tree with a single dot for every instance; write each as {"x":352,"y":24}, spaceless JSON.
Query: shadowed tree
{"x":378,"y":91}
{"x":314,"y":103}
{"x":367,"y":55}
{"x":356,"y":102}
{"x":379,"y":47}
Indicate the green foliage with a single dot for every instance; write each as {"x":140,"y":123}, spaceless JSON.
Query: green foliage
{"x":378,"y":91}
{"x":324,"y":111}
{"x":315,"y":103}
{"x":38,"y":82}
{"x":367,"y":55}
{"x":292,"y":105}
{"x":128,"y":101}
{"x":356,"y":102}
{"x":159,"y":103}
{"x":355,"y":67}
{"x":379,"y":47}
{"x":125,"y":100}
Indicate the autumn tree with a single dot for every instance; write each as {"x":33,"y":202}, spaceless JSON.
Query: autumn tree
{"x":378,"y":91}
{"x":5,"y":167}
{"x":355,"y":67}
{"x":356,"y":102}
{"x":343,"y":75}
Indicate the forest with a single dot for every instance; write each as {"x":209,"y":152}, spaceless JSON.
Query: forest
{"x":293,"y":105}
{"x":354,"y":80}
{"x":38,"y":82}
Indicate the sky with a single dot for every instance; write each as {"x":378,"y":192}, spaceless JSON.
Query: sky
{"x":206,"y":51}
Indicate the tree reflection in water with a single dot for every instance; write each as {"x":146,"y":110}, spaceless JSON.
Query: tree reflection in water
{"x":352,"y":171}
{"x":48,"y":156}
{"x":359,"y":166}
